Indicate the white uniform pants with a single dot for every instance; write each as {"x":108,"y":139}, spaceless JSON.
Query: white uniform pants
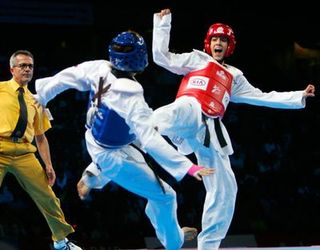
{"x":183,"y":118}
{"x":219,"y":205}
{"x":127,"y":167}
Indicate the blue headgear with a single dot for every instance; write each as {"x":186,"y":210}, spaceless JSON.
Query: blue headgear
{"x":128,"y":52}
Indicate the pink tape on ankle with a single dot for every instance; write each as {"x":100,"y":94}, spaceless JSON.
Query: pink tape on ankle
{"x":194,"y":168}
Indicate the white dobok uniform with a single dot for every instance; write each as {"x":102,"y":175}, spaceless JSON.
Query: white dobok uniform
{"x":124,"y":164}
{"x":182,"y":121}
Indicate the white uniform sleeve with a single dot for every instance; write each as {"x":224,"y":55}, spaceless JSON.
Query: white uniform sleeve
{"x":244,"y":92}
{"x":180,"y":64}
{"x":137,"y":114}
{"x":78,"y":77}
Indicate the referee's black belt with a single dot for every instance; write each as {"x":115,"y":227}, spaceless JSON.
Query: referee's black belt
{"x":13,"y":139}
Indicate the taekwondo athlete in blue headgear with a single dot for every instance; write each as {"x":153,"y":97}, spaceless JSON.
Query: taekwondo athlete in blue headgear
{"x":119,"y":127}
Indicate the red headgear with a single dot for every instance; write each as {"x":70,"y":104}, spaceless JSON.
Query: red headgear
{"x":220,"y":29}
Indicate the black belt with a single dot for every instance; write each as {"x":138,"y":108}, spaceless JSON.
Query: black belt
{"x":13,"y":139}
{"x":217,"y":128}
{"x":152,"y":168}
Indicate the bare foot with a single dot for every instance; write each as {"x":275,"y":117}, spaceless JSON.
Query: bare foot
{"x":83,"y":190}
{"x":189,"y":233}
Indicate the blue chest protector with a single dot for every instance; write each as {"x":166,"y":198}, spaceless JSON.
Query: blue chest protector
{"x":109,"y":129}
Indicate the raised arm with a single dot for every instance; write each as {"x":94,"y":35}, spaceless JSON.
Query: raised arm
{"x":77,"y":77}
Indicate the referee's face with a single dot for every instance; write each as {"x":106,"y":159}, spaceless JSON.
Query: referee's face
{"x":22,"y":71}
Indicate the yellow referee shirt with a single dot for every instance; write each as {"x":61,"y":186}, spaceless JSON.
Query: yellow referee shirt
{"x":38,"y":122}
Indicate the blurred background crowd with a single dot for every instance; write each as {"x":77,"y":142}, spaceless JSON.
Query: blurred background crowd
{"x":277,"y":152}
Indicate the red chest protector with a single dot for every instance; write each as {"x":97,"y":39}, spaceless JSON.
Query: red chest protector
{"x":211,"y":86}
